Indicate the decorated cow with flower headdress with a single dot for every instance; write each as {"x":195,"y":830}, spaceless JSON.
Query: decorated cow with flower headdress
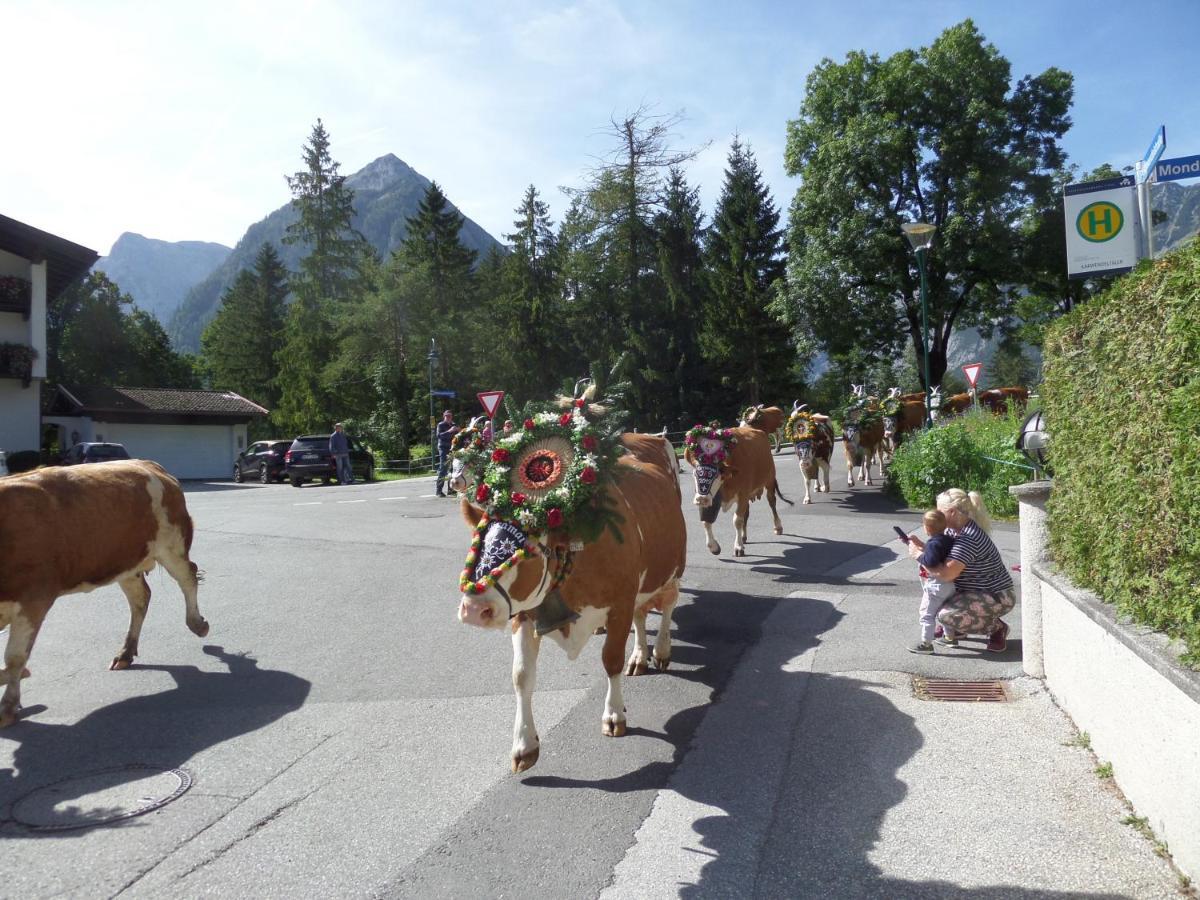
{"x":469,"y":452}
{"x":862,"y":434}
{"x":812,"y":439}
{"x":731,"y":466}
{"x":575,"y":527}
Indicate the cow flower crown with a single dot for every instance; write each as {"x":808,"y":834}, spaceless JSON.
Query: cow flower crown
{"x":710,"y":443}
{"x":800,"y":426}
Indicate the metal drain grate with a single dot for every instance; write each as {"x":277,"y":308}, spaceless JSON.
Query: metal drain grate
{"x":959,"y":691}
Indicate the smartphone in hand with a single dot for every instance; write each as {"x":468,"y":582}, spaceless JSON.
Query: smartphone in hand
{"x":900,"y":533}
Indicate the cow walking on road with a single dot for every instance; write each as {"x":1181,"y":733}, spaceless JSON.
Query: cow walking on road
{"x":731,"y":466}
{"x":71,"y":530}
{"x":813,"y":440}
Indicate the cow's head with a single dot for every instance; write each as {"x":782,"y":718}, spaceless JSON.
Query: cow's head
{"x":804,"y":450}
{"x":468,"y":456}
{"x":752,"y":416}
{"x":708,"y":475}
{"x":507,"y":572}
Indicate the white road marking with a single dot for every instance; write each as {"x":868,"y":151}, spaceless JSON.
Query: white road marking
{"x":352,"y":501}
{"x":313,"y":503}
{"x":427,"y":496}
{"x":391,"y":498}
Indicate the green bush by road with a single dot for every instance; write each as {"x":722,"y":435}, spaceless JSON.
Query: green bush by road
{"x":1122,"y":398}
{"x":955,"y":454}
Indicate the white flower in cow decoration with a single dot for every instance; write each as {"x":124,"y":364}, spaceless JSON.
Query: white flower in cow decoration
{"x":711,"y":443}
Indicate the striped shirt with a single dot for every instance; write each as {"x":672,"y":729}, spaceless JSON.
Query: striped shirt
{"x":983,"y":570}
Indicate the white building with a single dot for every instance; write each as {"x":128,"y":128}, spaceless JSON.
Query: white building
{"x":191,"y":434}
{"x":35,"y":267}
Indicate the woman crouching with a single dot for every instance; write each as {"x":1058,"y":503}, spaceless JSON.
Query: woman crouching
{"x":983,"y":589}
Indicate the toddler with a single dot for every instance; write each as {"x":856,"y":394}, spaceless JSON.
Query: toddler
{"x":933,"y":592}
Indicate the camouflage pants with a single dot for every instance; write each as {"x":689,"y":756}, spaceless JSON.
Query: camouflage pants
{"x":974,"y":612}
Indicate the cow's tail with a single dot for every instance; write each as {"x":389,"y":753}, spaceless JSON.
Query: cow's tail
{"x":779,"y":494}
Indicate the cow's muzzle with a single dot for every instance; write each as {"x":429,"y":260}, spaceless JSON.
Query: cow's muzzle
{"x":482,"y":613}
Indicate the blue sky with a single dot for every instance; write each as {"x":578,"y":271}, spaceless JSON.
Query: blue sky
{"x":180,"y":124}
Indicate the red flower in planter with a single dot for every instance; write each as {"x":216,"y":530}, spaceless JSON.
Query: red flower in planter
{"x":554,"y":518}
{"x":588,"y":475}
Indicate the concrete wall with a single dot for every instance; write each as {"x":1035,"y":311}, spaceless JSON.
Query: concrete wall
{"x":1122,"y":685}
{"x":20,"y":415}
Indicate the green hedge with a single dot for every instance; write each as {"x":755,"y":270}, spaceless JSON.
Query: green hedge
{"x":955,"y":454}
{"x":1122,"y":399}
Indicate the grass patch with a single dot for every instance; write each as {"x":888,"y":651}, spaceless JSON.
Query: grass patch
{"x":1083,"y":739}
{"x":1104,"y":770}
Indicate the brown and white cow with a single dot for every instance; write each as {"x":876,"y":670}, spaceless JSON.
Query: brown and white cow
{"x":954,"y":405}
{"x":612,"y":583}
{"x":747,"y":471}
{"x":814,"y":451}
{"x":767,"y":419}
{"x":862,"y":443}
{"x":71,"y":530}
{"x":908,"y":418}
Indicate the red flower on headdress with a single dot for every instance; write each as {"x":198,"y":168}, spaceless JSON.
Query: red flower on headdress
{"x":589,"y":442}
{"x":500,"y":455}
{"x":482,"y":493}
{"x":588,"y":475}
{"x":579,"y":403}
{"x":528,"y":425}
{"x":554,"y":518}
{"x":518,"y":498}
{"x":564,"y":419}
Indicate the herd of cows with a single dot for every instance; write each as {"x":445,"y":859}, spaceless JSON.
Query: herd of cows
{"x":136,"y":517}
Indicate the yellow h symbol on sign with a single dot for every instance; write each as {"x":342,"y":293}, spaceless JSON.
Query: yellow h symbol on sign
{"x":1100,"y":221}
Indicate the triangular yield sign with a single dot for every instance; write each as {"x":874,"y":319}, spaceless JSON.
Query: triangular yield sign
{"x":972,"y":370}
{"x":491,"y":401}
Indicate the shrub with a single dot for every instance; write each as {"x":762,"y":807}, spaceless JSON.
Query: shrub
{"x":956,"y":454}
{"x":1122,"y":398}
{"x":23,"y":461}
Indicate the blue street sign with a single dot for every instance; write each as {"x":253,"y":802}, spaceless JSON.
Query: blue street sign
{"x":444,"y":393}
{"x":1179,"y":167}
{"x":1153,"y":152}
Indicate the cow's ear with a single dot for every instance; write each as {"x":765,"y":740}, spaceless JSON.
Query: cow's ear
{"x":471,"y":514}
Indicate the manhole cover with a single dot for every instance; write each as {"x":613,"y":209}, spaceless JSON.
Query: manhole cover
{"x":965,"y":691}
{"x":100,"y":798}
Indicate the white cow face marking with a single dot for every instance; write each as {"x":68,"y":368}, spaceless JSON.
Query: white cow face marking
{"x":520,"y":588}
{"x":462,"y":478}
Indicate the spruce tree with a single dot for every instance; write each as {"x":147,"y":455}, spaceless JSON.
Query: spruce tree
{"x":743,"y":341}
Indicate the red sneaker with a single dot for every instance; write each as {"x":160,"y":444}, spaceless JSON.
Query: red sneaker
{"x":998,"y":642}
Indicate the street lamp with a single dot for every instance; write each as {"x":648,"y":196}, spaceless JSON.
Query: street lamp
{"x":433,"y":359}
{"x":920,"y":236}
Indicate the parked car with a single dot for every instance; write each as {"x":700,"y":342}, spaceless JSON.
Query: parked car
{"x":262,"y":460}
{"x":94,"y":452}
{"x":309,"y":458}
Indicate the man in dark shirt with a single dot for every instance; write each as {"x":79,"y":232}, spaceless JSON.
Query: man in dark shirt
{"x":446,"y":430}
{"x":339,"y":448}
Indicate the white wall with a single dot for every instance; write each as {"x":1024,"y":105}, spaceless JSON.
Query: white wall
{"x":1138,"y":720}
{"x":20,"y":415}
{"x":37,"y":319}
{"x":186,"y":451}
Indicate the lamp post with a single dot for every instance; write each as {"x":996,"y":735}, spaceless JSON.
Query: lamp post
{"x":920,"y":236}
{"x":433,"y":358}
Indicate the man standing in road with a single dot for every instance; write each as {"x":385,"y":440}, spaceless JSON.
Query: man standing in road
{"x":446,"y":430}
{"x":339,"y":448}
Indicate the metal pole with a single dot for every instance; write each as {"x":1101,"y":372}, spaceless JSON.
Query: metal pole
{"x":432,"y":420}
{"x":925,"y":336}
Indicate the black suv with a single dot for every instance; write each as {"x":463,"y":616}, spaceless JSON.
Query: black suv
{"x":262,"y":460}
{"x":309,"y":458}
{"x":92,"y":452}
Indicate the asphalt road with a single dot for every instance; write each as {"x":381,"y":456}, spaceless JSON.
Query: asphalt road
{"x":346,"y":736}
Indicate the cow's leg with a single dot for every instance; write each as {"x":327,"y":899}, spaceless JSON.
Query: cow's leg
{"x":526,"y":745}
{"x":774,"y":511}
{"x":638,"y":664}
{"x":613,"y":655}
{"x":137,"y":592}
{"x":667,"y":598}
{"x":708,"y":515}
{"x":740,"y":518}
{"x":850,"y":463}
{"x":807,"y":494}
{"x":183,"y":571}
{"x":823,"y":466}
{"x":22,"y":632}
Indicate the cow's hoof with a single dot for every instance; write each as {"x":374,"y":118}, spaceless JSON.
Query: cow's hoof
{"x":779,"y":529}
{"x":525,"y":760}
{"x":737,"y":551}
{"x":808,"y":500}
{"x":636,"y":667}
{"x":199,"y":629}
{"x":614,"y":727}
{"x":714,"y":549}
{"x":120,"y":662}
{"x":662,"y":663}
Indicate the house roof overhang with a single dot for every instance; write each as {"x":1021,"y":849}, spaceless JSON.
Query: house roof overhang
{"x":66,"y":261}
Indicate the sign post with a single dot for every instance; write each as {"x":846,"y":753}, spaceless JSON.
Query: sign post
{"x":1145,"y":170}
{"x":1102,"y":236}
{"x":972,"y":370}
{"x":491,"y":401}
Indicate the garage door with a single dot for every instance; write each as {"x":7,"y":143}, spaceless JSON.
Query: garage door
{"x":186,"y":451}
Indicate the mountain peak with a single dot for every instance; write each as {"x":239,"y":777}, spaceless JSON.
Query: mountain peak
{"x":382,"y":173}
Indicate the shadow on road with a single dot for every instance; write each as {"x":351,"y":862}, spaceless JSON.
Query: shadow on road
{"x":164,"y":729}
